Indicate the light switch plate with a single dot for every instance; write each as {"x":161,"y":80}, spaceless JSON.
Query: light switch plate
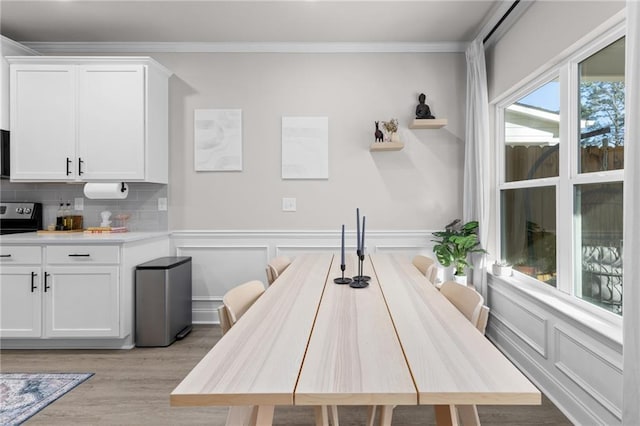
{"x":78,"y":204}
{"x":162,"y":204}
{"x":288,"y":204}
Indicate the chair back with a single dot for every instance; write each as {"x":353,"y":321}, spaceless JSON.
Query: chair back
{"x":239,"y":299}
{"x":466,"y":299}
{"x":482,"y":319}
{"x":276,"y":266}
{"x":426,"y":266}
{"x":225,"y":322}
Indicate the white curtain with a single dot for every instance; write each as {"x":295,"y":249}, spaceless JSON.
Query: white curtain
{"x":476,"y":156}
{"x":631,"y":298}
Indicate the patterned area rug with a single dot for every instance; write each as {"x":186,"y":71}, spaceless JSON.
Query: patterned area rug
{"x":22,"y":394}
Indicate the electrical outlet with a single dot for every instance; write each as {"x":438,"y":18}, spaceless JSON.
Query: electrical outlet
{"x":78,"y":204}
{"x":288,"y":204}
{"x":162,"y":204}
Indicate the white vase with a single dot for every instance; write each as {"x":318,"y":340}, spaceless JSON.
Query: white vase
{"x":395,"y":137}
{"x":460,"y":279}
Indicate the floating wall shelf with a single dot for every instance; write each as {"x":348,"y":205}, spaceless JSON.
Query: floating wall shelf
{"x":428,"y":123}
{"x":386,"y":146}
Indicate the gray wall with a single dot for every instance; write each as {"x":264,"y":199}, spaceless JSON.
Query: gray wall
{"x":416,"y":188}
{"x":419,"y":187}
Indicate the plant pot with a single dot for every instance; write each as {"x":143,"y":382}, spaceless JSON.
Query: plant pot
{"x":502,"y":271}
{"x":395,"y":137}
{"x":460,"y":279}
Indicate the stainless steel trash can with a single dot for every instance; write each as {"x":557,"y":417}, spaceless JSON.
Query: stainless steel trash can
{"x":163,"y":300}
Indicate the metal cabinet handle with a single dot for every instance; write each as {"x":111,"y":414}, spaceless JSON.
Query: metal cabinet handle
{"x":80,"y":255}
{"x":46,"y":286}
{"x":80,"y":162}
{"x":33,"y":281}
{"x":68,"y":163}
{"x":5,"y":255}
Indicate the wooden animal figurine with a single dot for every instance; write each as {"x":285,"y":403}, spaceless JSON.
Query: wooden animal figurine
{"x":378,"y":133}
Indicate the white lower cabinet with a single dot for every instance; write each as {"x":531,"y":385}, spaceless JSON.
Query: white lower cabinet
{"x":79,"y":295}
{"x":82,"y":301}
{"x":76,"y":293}
{"x":20,"y":301}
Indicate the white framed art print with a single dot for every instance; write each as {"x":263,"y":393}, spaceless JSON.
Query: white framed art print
{"x":218,"y":140}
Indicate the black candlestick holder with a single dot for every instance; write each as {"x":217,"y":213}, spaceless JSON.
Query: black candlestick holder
{"x":360,"y":280}
{"x":342,"y":279}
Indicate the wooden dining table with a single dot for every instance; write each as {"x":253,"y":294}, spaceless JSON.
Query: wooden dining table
{"x":308,"y":341}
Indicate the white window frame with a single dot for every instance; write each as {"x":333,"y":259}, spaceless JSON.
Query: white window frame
{"x":565,"y":69}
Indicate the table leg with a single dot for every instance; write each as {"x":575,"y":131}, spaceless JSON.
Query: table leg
{"x":371,"y":414}
{"x":264,"y":415}
{"x":333,"y":414}
{"x":241,"y":415}
{"x":446,"y":415}
{"x":468,"y":415}
{"x":386,"y":412}
{"x":322,"y":416}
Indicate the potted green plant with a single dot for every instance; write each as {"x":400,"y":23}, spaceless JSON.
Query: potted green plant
{"x":454,"y":244}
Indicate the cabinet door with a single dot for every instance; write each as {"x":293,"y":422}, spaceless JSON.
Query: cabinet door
{"x":111,"y":122}
{"x":43,"y":129}
{"x":20,"y":301}
{"x":82,"y":302}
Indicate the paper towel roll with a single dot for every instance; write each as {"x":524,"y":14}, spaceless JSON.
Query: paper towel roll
{"x":106,"y":190}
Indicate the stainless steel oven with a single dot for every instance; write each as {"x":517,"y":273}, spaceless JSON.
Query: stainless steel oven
{"x":17,"y":217}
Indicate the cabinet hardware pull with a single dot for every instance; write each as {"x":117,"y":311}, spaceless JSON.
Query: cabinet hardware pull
{"x":68,"y":162}
{"x":5,"y":255}
{"x":80,"y":166}
{"x":46,"y":285}
{"x":33,"y":278}
{"x":80,"y":255}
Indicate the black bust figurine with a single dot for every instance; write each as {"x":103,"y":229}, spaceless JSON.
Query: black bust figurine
{"x":423,"y":110}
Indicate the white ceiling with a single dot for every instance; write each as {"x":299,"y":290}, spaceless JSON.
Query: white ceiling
{"x":418,"y":21}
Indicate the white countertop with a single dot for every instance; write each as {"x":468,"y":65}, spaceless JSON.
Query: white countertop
{"x":79,"y":238}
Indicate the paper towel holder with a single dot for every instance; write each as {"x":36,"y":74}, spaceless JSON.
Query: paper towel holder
{"x":106,"y":190}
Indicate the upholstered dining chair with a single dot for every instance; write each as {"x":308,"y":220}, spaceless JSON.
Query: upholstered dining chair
{"x":471,"y":304}
{"x":427,"y":266}
{"x":275,"y":267}
{"x":239,"y":299}
{"x":468,"y":301}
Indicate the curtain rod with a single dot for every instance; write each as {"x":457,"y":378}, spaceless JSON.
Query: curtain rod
{"x":495,"y":27}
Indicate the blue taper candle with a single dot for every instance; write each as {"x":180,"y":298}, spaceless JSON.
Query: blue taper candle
{"x":358,"y":230}
{"x":342,"y":251}
{"x":364,"y":219}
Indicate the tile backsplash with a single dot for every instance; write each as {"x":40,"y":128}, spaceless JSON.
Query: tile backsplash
{"x":141,"y":203}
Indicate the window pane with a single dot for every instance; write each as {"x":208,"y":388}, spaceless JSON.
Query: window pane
{"x":529,"y":231}
{"x":598,"y":224}
{"x":532,"y":126}
{"x":602,"y":110}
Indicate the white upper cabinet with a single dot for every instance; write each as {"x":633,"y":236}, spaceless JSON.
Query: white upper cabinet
{"x":43,"y":123}
{"x":88,"y":119}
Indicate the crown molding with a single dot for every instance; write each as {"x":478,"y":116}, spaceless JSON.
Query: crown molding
{"x":243,"y":47}
{"x":11,"y":47}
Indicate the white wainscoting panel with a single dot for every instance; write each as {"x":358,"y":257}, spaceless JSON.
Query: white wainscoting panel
{"x":521,"y":320}
{"x":223,"y":259}
{"x":591,"y":367}
{"x":579,"y":369}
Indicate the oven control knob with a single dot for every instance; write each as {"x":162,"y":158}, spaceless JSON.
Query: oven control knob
{"x":27,"y":210}
{"x":19,"y":210}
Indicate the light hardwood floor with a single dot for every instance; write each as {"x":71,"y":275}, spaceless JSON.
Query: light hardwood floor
{"x":132,"y":387}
